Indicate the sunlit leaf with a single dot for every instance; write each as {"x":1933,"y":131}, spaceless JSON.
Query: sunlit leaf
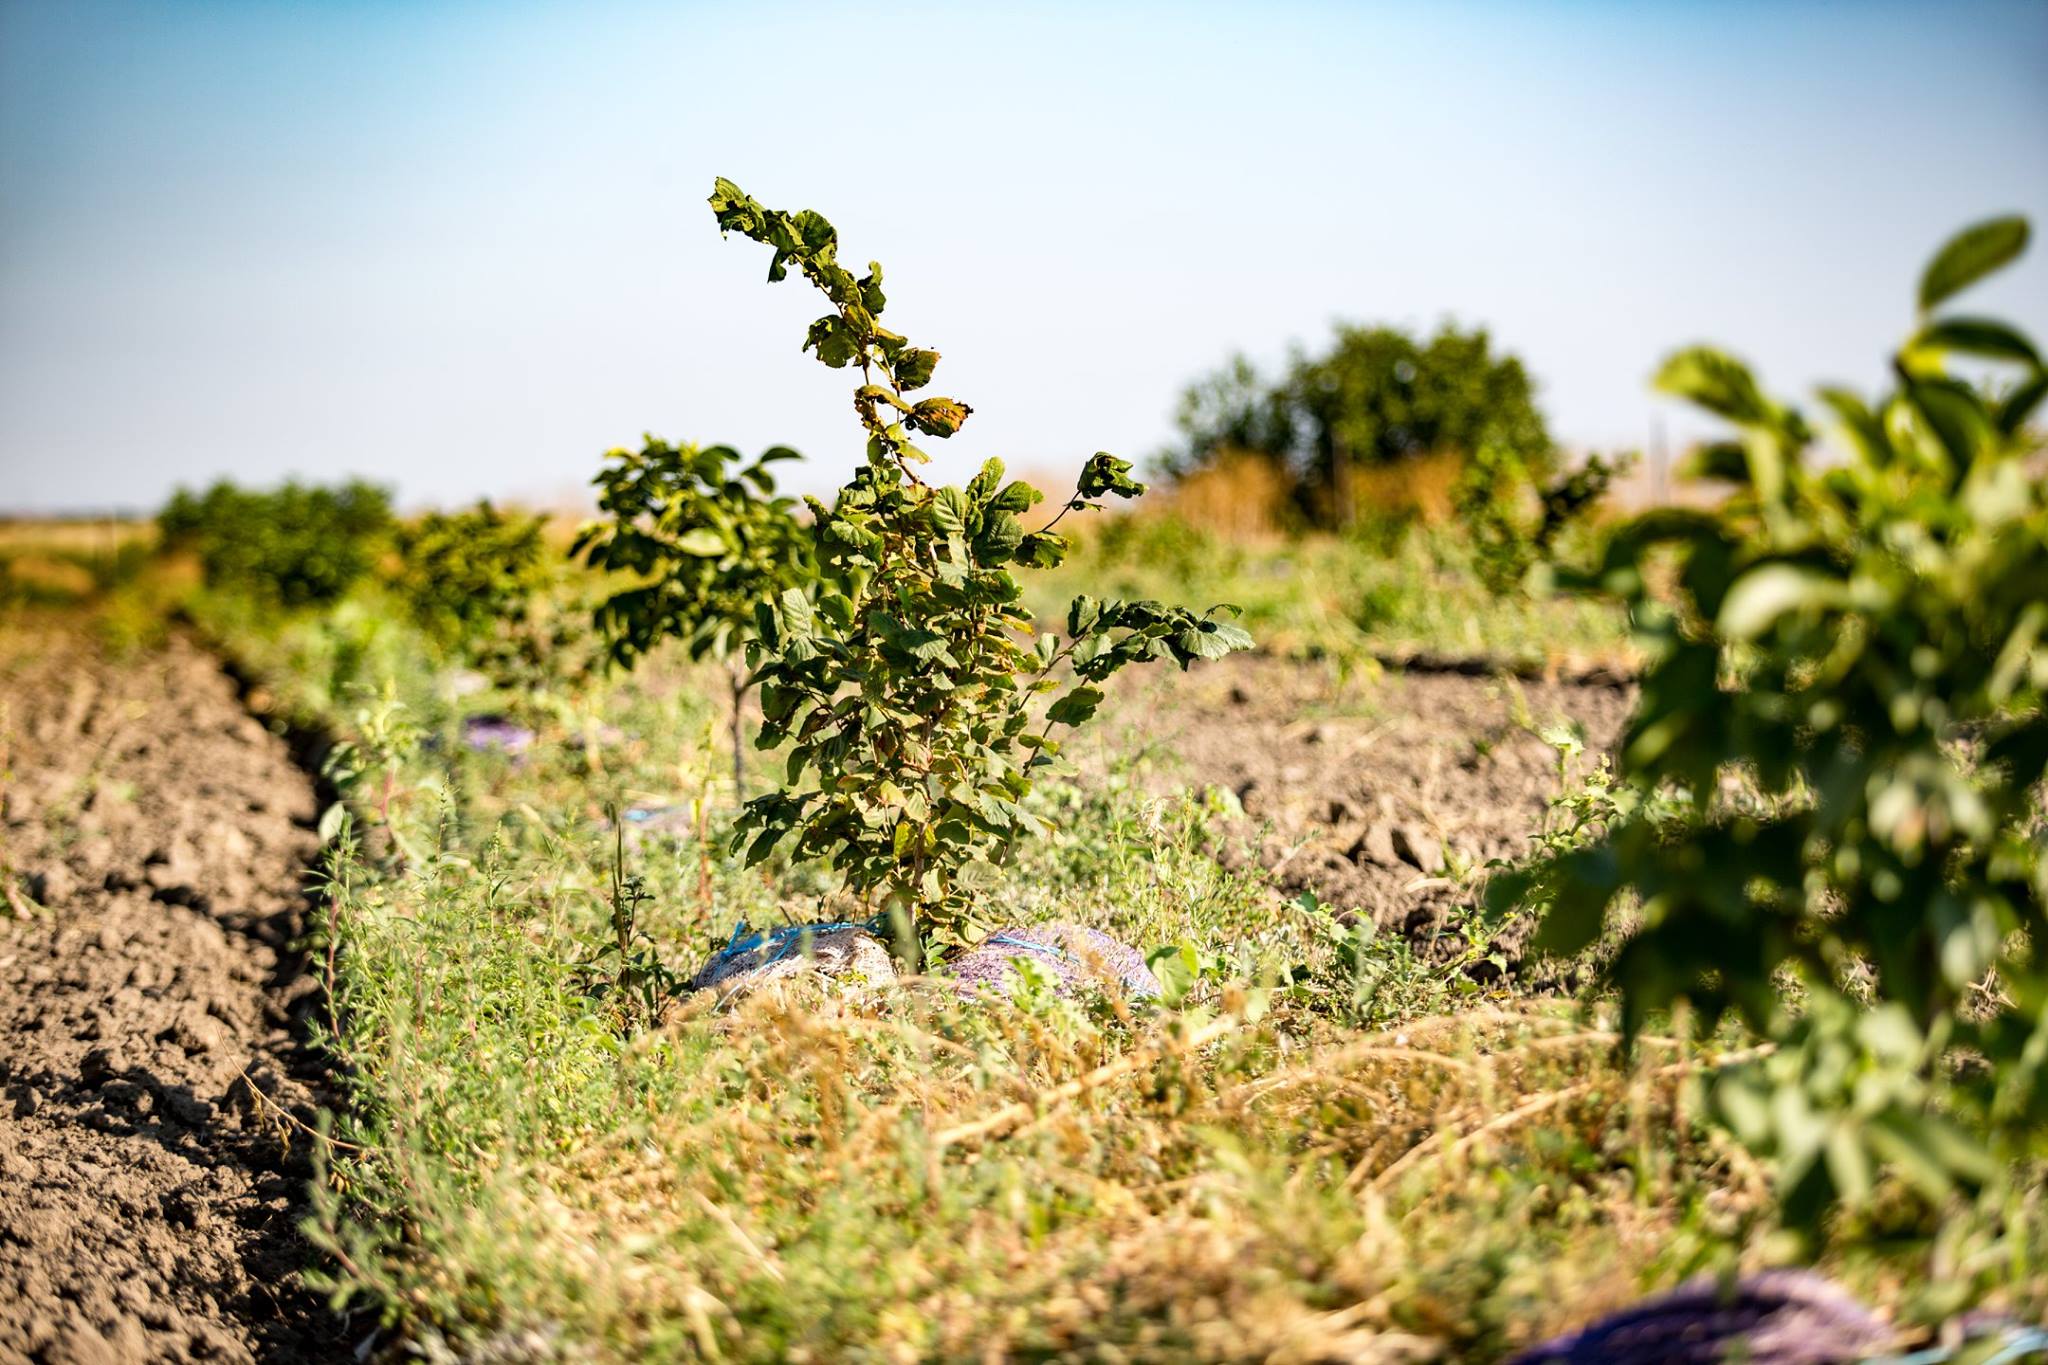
{"x":1969,"y":256}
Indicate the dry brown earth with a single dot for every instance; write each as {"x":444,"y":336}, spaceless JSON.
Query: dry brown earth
{"x":1379,"y":794}
{"x":148,"y":1210}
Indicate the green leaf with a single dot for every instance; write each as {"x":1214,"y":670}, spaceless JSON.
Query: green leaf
{"x":1984,"y":337}
{"x":1715,"y":381}
{"x":1083,"y":613}
{"x":1767,"y":592}
{"x":1848,"y":1162}
{"x":1105,"y":473}
{"x":1075,"y":707}
{"x":923,"y":645}
{"x":1723,"y":460}
{"x":984,"y":482}
{"x":1017,"y":497}
{"x":1955,"y":413}
{"x":913,"y":368}
{"x":949,"y":511}
{"x":797,"y":619}
{"x":1861,"y":424}
{"x":836,"y":344}
{"x":703,"y":542}
{"x":871,"y":296}
{"x":2019,"y":405}
{"x":999,"y":539}
{"x":1969,"y":256}
{"x":764,"y":844}
{"x":1211,"y":639}
{"x":1233,"y":636}
{"x":1743,"y":1100}
{"x":1587,"y":880}
{"x":1929,"y":1153}
{"x":1042,"y":550}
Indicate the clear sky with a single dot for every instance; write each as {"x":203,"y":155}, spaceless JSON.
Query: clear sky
{"x":462,"y":249}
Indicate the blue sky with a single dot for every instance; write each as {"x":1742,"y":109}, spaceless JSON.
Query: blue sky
{"x":462,"y":249}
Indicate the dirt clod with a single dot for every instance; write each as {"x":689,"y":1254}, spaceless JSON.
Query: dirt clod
{"x":1418,"y":848}
{"x":1376,"y":846}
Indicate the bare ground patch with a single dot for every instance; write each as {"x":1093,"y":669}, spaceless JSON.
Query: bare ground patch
{"x":147,"y":1209}
{"x":1377,"y":794}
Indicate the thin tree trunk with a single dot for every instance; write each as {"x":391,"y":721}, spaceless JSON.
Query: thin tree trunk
{"x":1340,"y":485}
{"x":738,"y":680}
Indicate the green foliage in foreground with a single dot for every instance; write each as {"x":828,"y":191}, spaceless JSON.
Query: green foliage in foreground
{"x":905,"y":684}
{"x":294,"y":545}
{"x":1845,"y":699}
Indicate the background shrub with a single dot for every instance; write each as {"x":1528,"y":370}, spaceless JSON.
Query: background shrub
{"x":296,"y":545}
{"x":462,"y":575}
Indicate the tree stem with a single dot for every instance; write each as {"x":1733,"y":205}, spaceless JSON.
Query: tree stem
{"x":738,"y":682}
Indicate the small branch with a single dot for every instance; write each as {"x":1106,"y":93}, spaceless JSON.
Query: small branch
{"x":293,"y":1120}
{"x":769,"y":1265}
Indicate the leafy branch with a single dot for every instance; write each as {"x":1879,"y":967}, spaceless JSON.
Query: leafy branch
{"x":907,"y":683}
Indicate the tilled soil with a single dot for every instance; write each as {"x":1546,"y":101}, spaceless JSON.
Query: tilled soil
{"x":1381,"y":795}
{"x":148,"y":1209}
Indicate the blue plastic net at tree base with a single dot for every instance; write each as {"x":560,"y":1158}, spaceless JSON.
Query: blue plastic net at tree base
{"x":838,"y":949}
{"x":1073,"y":955}
{"x":1779,"y":1317}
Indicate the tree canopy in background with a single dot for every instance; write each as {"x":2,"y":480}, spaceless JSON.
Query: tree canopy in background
{"x":296,"y":545}
{"x":1377,"y":397}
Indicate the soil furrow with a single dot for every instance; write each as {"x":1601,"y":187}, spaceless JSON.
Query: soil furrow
{"x":148,"y":1210}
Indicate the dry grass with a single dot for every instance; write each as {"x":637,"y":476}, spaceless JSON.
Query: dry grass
{"x":104,"y":535}
{"x":1240,"y":497}
{"x":1423,"y":489}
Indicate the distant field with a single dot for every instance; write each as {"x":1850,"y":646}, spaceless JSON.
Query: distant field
{"x":67,"y":535}
{"x":64,"y":558}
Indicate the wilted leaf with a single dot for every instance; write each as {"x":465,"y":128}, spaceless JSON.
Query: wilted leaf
{"x":939,"y":416}
{"x":1105,"y":473}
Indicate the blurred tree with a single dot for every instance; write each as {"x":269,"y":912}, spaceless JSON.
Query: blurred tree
{"x":296,"y":545}
{"x":1377,"y":397}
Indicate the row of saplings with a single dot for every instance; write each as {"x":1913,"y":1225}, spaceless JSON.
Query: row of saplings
{"x":1863,"y":639}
